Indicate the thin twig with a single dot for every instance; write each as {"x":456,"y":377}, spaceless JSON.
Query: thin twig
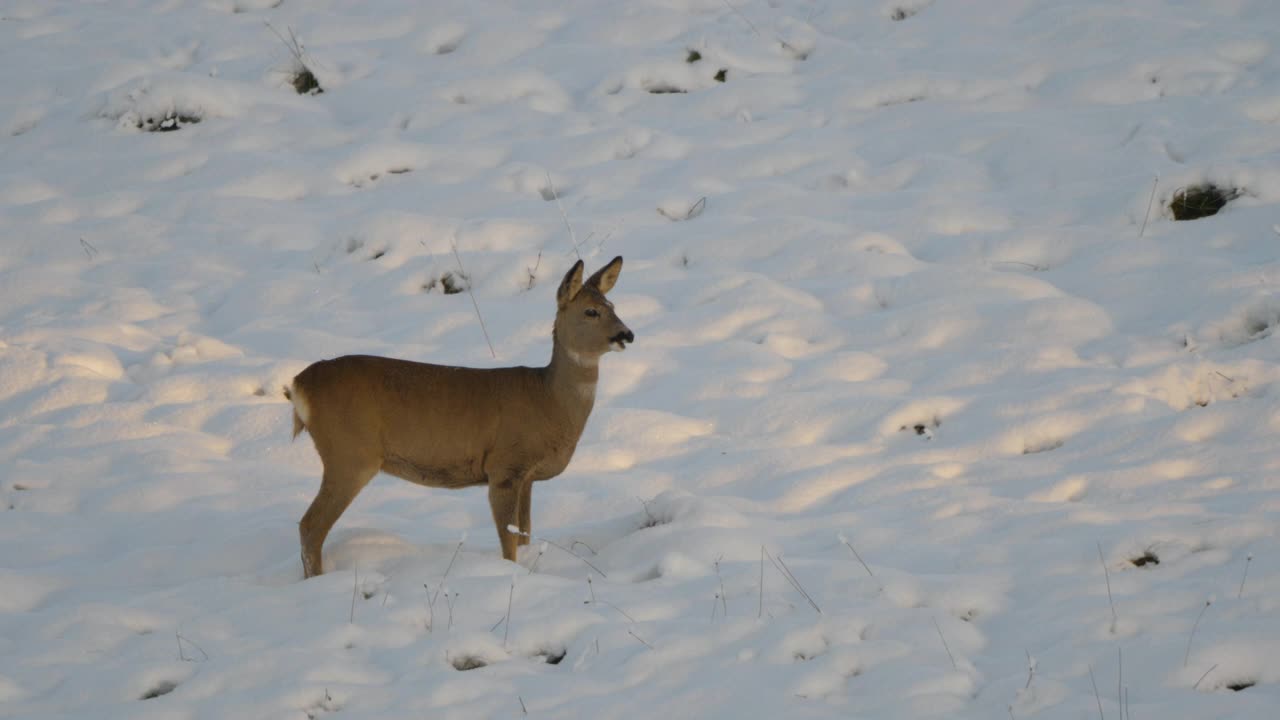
{"x":449,"y":600}
{"x":432,"y":603}
{"x":518,"y":531}
{"x":1205,"y":675}
{"x":1107,"y":574}
{"x":1248,"y":559}
{"x":624,"y":613}
{"x":452,"y":558}
{"x":1096,"y":696}
{"x":1151,"y":199}
{"x":760,"y":611}
{"x":534,"y":565}
{"x":735,"y":11}
{"x":1031,"y":669}
{"x":355,"y":580}
{"x":786,"y":573}
{"x":650,"y":520}
{"x":593,"y":601}
{"x":642,"y":640}
{"x":573,"y":237}
{"x":523,"y":710}
{"x":1120,"y":681}
{"x":181,"y":655}
{"x":697,"y":208}
{"x":89,"y":250}
{"x":476,"y":305}
{"x":724,"y":603}
{"x":291,"y":43}
{"x":946,"y":647}
{"x":1187,"y":656}
{"x":510,"y":596}
{"x":866,"y":567}
{"x":533,"y":271}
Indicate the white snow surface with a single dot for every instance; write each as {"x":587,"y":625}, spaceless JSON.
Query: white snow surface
{"x":905,"y":283}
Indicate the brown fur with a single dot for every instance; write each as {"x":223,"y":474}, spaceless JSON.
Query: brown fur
{"x":455,"y":427}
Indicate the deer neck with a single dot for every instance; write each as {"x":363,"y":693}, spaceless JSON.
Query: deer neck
{"x":572,"y":377}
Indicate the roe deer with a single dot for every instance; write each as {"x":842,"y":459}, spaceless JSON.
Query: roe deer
{"x":454,"y":427}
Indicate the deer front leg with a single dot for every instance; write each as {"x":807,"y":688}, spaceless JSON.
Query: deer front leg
{"x":503,"y":500}
{"x":524,"y":509}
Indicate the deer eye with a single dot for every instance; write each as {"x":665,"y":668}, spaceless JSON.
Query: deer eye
{"x":592,"y":312}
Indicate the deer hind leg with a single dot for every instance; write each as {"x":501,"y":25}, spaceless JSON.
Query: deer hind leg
{"x":342,"y":482}
{"x":524,"y":509}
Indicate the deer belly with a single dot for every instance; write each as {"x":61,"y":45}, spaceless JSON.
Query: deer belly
{"x":457,"y":476}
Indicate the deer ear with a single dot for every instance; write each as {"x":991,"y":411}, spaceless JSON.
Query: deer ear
{"x":606,"y":276}
{"x":570,"y":286}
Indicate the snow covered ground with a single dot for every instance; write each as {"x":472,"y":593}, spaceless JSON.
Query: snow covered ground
{"x":904,"y":280}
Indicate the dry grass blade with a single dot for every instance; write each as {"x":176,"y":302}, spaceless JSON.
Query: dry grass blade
{"x":1096,"y":696}
{"x":1187,"y":656}
{"x":945,"y":646}
{"x":786,"y":573}
{"x":760,"y":611}
{"x":355,"y":581}
{"x":474,"y":304}
{"x":637,"y":637}
{"x":1150,"y":200}
{"x":573,"y":238}
{"x":862,"y":562}
{"x":510,"y":596}
{"x":1107,"y":574}
{"x":518,"y":531}
{"x":1205,"y":675}
{"x":1240,"y":592}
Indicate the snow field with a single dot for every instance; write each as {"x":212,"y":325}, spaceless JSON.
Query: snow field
{"x":904,"y":282}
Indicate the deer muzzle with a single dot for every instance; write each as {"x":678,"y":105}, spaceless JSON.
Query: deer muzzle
{"x":619,"y":342}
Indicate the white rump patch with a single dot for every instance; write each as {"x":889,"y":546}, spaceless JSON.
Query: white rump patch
{"x":300,"y":405}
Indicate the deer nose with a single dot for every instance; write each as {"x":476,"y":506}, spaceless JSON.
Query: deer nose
{"x":626,"y":336}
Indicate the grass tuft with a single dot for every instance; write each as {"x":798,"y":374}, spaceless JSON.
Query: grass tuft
{"x":1199,"y":201}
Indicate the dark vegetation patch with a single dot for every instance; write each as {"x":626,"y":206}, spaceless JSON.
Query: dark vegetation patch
{"x":650,"y":519}
{"x":903,"y":101}
{"x":304,"y":81}
{"x":693,"y":56}
{"x":1242,"y":685}
{"x":923,"y":428}
{"x":467,"y":662}
{"x":450,"y":283}
{"x":301,"y":77}
{"x":1260,"y":320}
{"x":722,"y":74}
{"x":1042,"y":446}
{"x":164,"y":687}
{"x":899,"y":14}
{"x":1146,"y":558}
{"x":168,"y":122}
{"x":665,"y":89}
{"x":551,"y":656}
{"x":1199,"y":201}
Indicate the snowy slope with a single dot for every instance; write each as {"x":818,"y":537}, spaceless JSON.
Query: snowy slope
{"x":904,"y":281}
